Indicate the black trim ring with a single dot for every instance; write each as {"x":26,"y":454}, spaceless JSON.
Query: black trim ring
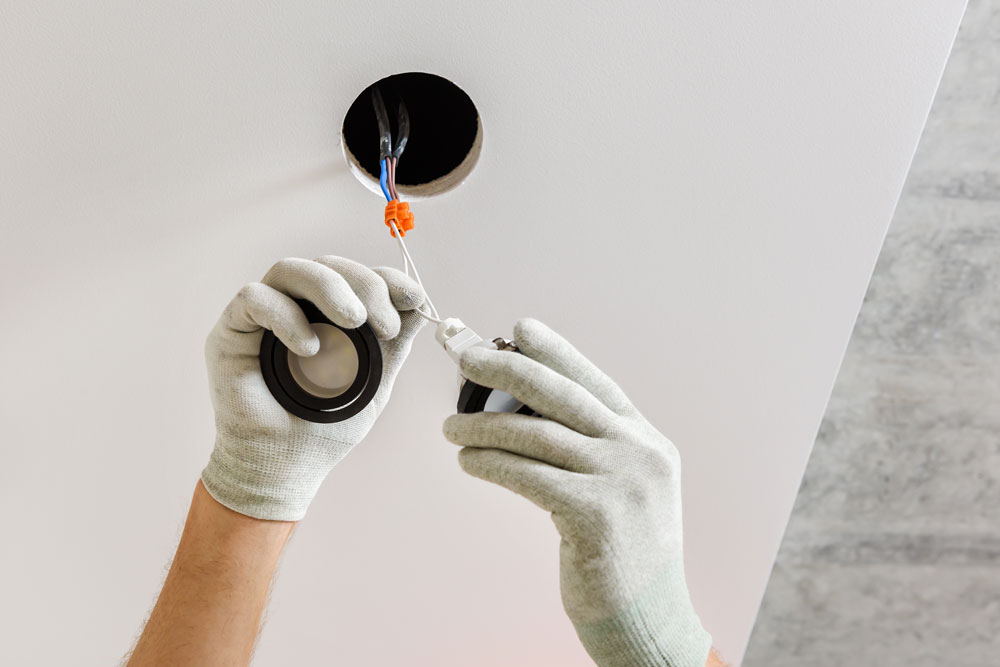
{"x":472,"y":397}
{"x":278,"y":377}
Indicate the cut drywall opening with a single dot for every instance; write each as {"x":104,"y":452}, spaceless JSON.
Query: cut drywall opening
{"x":445,"y":137}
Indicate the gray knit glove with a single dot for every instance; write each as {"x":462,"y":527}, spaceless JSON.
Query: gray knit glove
{"x":268,"y":463}
{"x":612,"y":484}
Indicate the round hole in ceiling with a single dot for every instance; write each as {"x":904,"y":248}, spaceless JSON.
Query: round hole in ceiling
{"x":445,"y":134}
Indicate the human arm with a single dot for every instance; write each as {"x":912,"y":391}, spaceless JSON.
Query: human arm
{"x":211,"y":604}
{"x":267,"y":464}
{"x":611,"y":482}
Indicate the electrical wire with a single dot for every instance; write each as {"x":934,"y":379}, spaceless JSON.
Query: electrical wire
{"x":389,"y":158}
{"x":408,"y":262}
{"x":391,"y":164}
{"x":383,"y":180}
{"x":388,"y":176}
{"x":382,"y":116}
{"x":402,"y":130}
{"x":433,"y":316}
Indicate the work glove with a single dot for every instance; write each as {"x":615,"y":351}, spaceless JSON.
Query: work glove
{"x":268,"y":463}
{"x":612,"y":484}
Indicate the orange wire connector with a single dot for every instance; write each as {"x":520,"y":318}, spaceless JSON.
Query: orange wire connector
{"x":398,"y":211}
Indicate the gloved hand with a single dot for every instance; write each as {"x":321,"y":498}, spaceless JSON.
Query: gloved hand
{"x":612,"y":484}
{"x":268,"y":463}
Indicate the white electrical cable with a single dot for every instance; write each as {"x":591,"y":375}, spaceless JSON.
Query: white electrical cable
{"x":408,"y":262}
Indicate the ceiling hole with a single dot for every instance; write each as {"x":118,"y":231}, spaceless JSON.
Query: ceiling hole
{"x":446,"y":134}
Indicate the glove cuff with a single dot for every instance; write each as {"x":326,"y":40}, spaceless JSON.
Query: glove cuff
{"x":659,"y":629}
{"x":253,"y":482}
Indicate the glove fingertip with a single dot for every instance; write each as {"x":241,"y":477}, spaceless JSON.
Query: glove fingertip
{"x":405,"y":292}
{"x":387,"y":325}
{"x":451,"y":428}
{"x":355,"y":315}
{"x":527,"y":330}
{"x":482,"y":367}
{"x":468,"y":460}
{"x":304,"y":347}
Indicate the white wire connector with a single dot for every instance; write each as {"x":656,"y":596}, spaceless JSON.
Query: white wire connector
{"x":456,"y":338}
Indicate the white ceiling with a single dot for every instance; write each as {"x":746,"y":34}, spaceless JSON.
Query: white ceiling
{"x":693,"y":193}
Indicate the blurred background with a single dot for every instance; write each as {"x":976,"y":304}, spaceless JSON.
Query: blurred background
{"x":892,"y":555}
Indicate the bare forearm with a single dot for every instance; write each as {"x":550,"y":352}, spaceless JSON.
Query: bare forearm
{"x":210,"y":607}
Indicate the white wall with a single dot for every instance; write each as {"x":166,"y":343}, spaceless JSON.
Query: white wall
{"x":693,"y":194}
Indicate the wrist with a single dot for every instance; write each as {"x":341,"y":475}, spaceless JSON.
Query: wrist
{"x":226,"y":537}
{"x":266,"y":480}
{"x":659,"y":628}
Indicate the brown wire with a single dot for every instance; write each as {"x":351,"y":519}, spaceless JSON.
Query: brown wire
{"x":388,"y":176}
{"x":392,"y":177}
{"x":395,"y":192}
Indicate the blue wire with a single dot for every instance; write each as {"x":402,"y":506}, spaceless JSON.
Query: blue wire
{"x":383,"y":177}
